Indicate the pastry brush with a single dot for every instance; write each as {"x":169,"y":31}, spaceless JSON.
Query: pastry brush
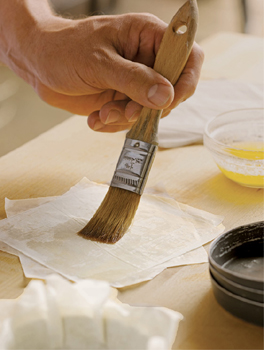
{"x":118,"y":208}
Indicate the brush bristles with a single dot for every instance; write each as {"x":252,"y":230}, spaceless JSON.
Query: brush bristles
{"x":113,"y":217}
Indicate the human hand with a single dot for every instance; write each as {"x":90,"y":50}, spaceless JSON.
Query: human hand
{"x":101,"y":67}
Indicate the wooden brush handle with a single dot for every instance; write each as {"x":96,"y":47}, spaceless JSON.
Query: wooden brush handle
{"x":170,"y":61}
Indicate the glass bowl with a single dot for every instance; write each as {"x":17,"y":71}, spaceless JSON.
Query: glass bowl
{"x":236,"y":142}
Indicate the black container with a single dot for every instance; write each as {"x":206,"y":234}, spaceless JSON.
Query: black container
{"x":238,"y":255}
{"x":237,"y":289}
{"x":247,"y":310}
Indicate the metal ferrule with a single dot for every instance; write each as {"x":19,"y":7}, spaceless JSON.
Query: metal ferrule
{"x":134,"y":165}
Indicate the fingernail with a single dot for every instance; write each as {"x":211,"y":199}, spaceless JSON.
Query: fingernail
{"x":159,"y":94}
{"x":134,"y":117}
{"x":98,"y":125}
{"x":113,"y":116}
{"x":132,"y":111}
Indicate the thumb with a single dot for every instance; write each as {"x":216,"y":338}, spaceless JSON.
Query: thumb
{"x":140,"y":83}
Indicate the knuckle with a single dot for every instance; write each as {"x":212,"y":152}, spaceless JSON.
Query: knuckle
{"x":201,"y":54}
{"x":190,"y":92}
{"x":190,"y":82}
{"x":131,"y":77}
{"x":198,"y":52}
{"x":192,"y":86}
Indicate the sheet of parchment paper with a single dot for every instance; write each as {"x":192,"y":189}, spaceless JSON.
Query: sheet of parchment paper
{"x":33,"y":269}
{"x":162,"y":230}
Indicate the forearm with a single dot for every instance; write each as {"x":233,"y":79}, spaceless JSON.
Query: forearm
{"x":20,"y":27}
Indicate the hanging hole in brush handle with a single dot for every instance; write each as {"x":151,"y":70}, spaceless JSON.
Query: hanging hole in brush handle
{"x":181,"y":29}
{"x":170,"y":61}
{"x":177,"y":42}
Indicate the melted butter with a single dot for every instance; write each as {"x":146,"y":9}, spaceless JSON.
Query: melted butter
{"x":253,"y":151}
